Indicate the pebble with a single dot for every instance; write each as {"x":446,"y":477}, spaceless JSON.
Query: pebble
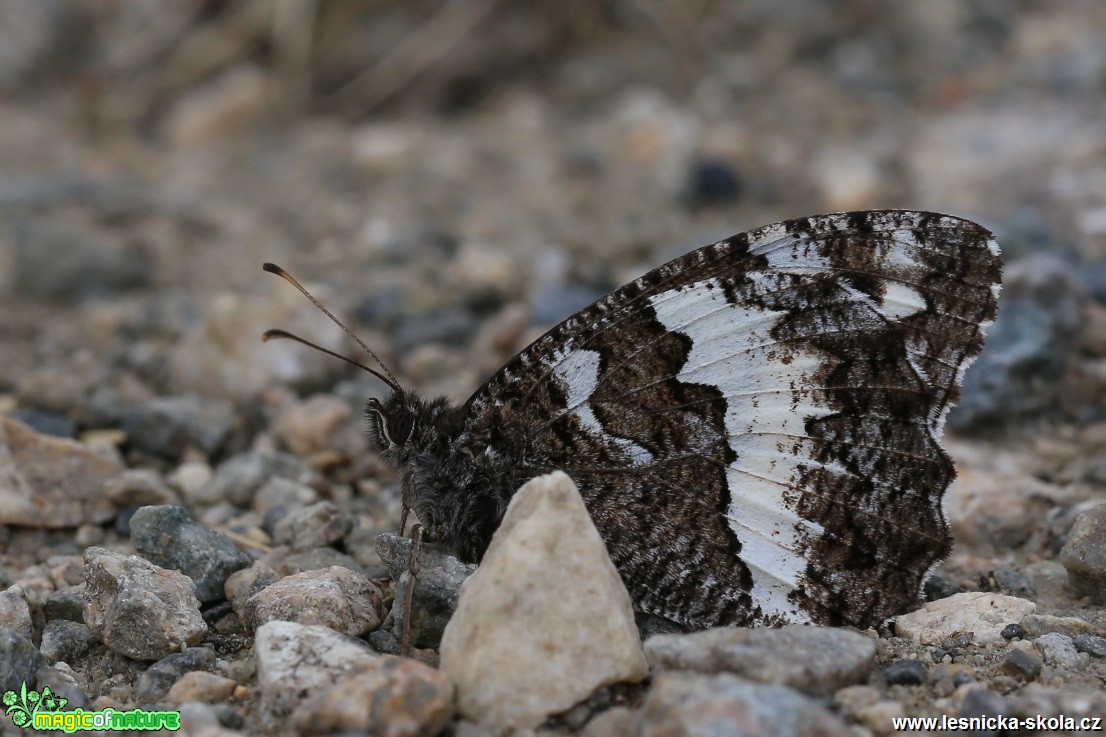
{"x":1058,"y":649}
{"x":153,"y":683}
{"x":314,"y":526}
{"x":1084,"y":554}
{"x":879,"y":716}
{"x":51,"y":482}
{"x":15,"y":612}
{"x":201,"y":686}
{"x":1011,"y":631}
{"x":309,"y":426}
{"x":296,"y":661}
{"x":712,"y":182}
{"x":45,"y":422}
{"x":906,"y":673}
{"x":238,"y":479}
{"x":138,"y":609}
{"x":139,"y":487}
{"x":814,"y":660}
{"x":437,"y":587}
{"x":699,"y":705}
{"x":1091,"y":644}
{"x":391,"y":696}
{"x":334,"y":597}
{"x":1036,"y":625}
{"x":61,"y":681}
{"x":310,"y":560}
{"x":1008,"y":581}
{"x":545,"y":600}
{"x":167,"y":537}
{"x":67,"y":603}
{"x":244,"y":583}
{"x":281,"y":495}
{"x":979,"y":701}
{"x":190,"y":478}
{"x":980,"y":615}
{"x":1021,"y":662}
{"x":19,"y":660}
{"x":168,"y":426}
{"x":65,"y":640}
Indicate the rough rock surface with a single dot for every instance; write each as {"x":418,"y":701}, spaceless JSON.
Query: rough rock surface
{"x":980,"y":615}
{"x":545,"y":601}
{"x":334,"y":597}
{"x":1084,"y":554}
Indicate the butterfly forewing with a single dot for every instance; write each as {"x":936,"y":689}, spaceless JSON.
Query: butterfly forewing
{"x":754,"y":426}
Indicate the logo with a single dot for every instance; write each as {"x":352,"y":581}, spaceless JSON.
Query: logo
{"x":43,"y":711}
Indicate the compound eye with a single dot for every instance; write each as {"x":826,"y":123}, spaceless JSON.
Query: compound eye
{"x":400,"y":426}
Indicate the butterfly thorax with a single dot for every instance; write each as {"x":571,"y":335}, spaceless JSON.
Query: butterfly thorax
{"x":455,"y":482}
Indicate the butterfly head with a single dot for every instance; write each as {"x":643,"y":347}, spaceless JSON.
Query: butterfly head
{"x":394,"y":422}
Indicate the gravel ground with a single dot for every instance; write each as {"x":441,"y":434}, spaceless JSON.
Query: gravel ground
{"x":454,"y":179}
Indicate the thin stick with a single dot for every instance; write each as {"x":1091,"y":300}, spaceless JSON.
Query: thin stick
{"x":409,"y":592}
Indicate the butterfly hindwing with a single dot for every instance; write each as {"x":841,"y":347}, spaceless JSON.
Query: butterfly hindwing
{"x":754,"y":426}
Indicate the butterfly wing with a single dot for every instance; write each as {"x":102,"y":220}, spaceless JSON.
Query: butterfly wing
{"x":754,"y":426}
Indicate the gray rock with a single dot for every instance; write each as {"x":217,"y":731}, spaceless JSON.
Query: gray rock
{"x":45,"y":422}
{"x":139,"y":487}
{"x":979,"y":702}
{"x":814,"y":660}
{"x":1091,"y":644}
{"x":976,"y":616}
{"x":15,"y":612}
{"x":1021,"y":662}
{"x":138,"y":609}
{"x":335,"y":597}
{"x":1084,"y":554}
{"x":51,"y":482}
{"x":62,"y":682}
{"x":1058,"y":649}
{"x":437,"y":587}
{"x":1036,"y":625}
{"x":238,"y":478}
{"x":279,"y":496}
{"x":906,"y":673}
{"x":297,"y":661}
{"x":1029,"y":347}
{"x":67,"y":603}
{"x":167,"y":426}
{"x":167,"y":537}
{"x":155,"y":681}
{"x":243,"y":584}
{"x":1009,"y":581}
{"x":399,"y":697}
{"x":65,"y":640}
{"x":19,"y":660}
{"x":695,"y":705}
{"x":314,"y":526}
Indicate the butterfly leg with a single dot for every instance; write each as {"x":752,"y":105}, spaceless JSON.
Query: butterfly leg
{"x":409,"y":590}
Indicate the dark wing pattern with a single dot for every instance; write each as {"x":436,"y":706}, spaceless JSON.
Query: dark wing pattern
{"x":754,"y":426}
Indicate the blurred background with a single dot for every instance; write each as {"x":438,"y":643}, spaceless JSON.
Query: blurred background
{"x":455,"y":176}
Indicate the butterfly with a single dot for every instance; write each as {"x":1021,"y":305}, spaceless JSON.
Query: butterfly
{"x":754,"y":427}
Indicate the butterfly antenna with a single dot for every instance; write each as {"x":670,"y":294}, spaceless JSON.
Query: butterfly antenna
{"x":387,"y":377}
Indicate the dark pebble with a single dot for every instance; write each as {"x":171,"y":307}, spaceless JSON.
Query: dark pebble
{"x":61,"y":684}
{"x":1011,"y":631}
{"x":65,"y":604}
{"x":979,"y":702}
{"x":959,"y":679}
{"x":906,"y":673}
{"x":937,"y":654}
{"x":1019,"y":662}
{"x":19,"y":660}
{"x":1090,"y":644}
{"x":384,"y":642}
{"x":167,"y":426}
{"x":65,"y":640}
{"x":712,"y":182}
{"x":46,"y":423}
{"x":156,"y":681}
{"x":938,"y":587}
{"x":123,"y":521}
{"x":1008,"y":581}
{"x":956,"y":643}
{"x":165,"y":536}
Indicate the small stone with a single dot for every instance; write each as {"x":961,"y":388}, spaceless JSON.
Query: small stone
{"x":979,"y":615}
{"x":1084,"y":554}
{"x":618,"y":721}
{"x":335,"y":597}
{"x":695,"y":705}
{"x":398,"y":697}
{"x":297,"y":661}
{"x":1010,"y":631}
{"x":712,"y":182}
{"x":1008,"y":581}
{"x":309,"y":426}
{"x":852,"y":699}
{"x":906,"y":673}
{"x":1091,"y":644}
{"x":243,"y":584}
{"x":814,"y":660}
{"x":155,"y":681}
{"x":139,"y":487}
{"x":283,"y":494}
{"x":19,"y":660}
{"x":201,"y":686}
{"x":51,"y":482}
{"x":314,"y":560}
{"x":979,"y":702}
{"x":66,"y":640}
{"x":138,"y":609}
{"x":238,"y":479}
{"x":385,"y":642}
{"x":315,"y":526}
{"x":167,"y":537}
{"x":1036,"y":625}
{"x":545,"y":601}
{"x":45,"y":422}
{"x":167,"y":426}
{"x":62,"y":681}
{"x":1058,"y":649}
{"x":190,"y":478}
{"x":880,"y":716}
{"x":1020,"y":662}
{"x":938,"y":587}
{"x":67,"y":603}
{"x":437,"y":587}
{"x":15,"y":612}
